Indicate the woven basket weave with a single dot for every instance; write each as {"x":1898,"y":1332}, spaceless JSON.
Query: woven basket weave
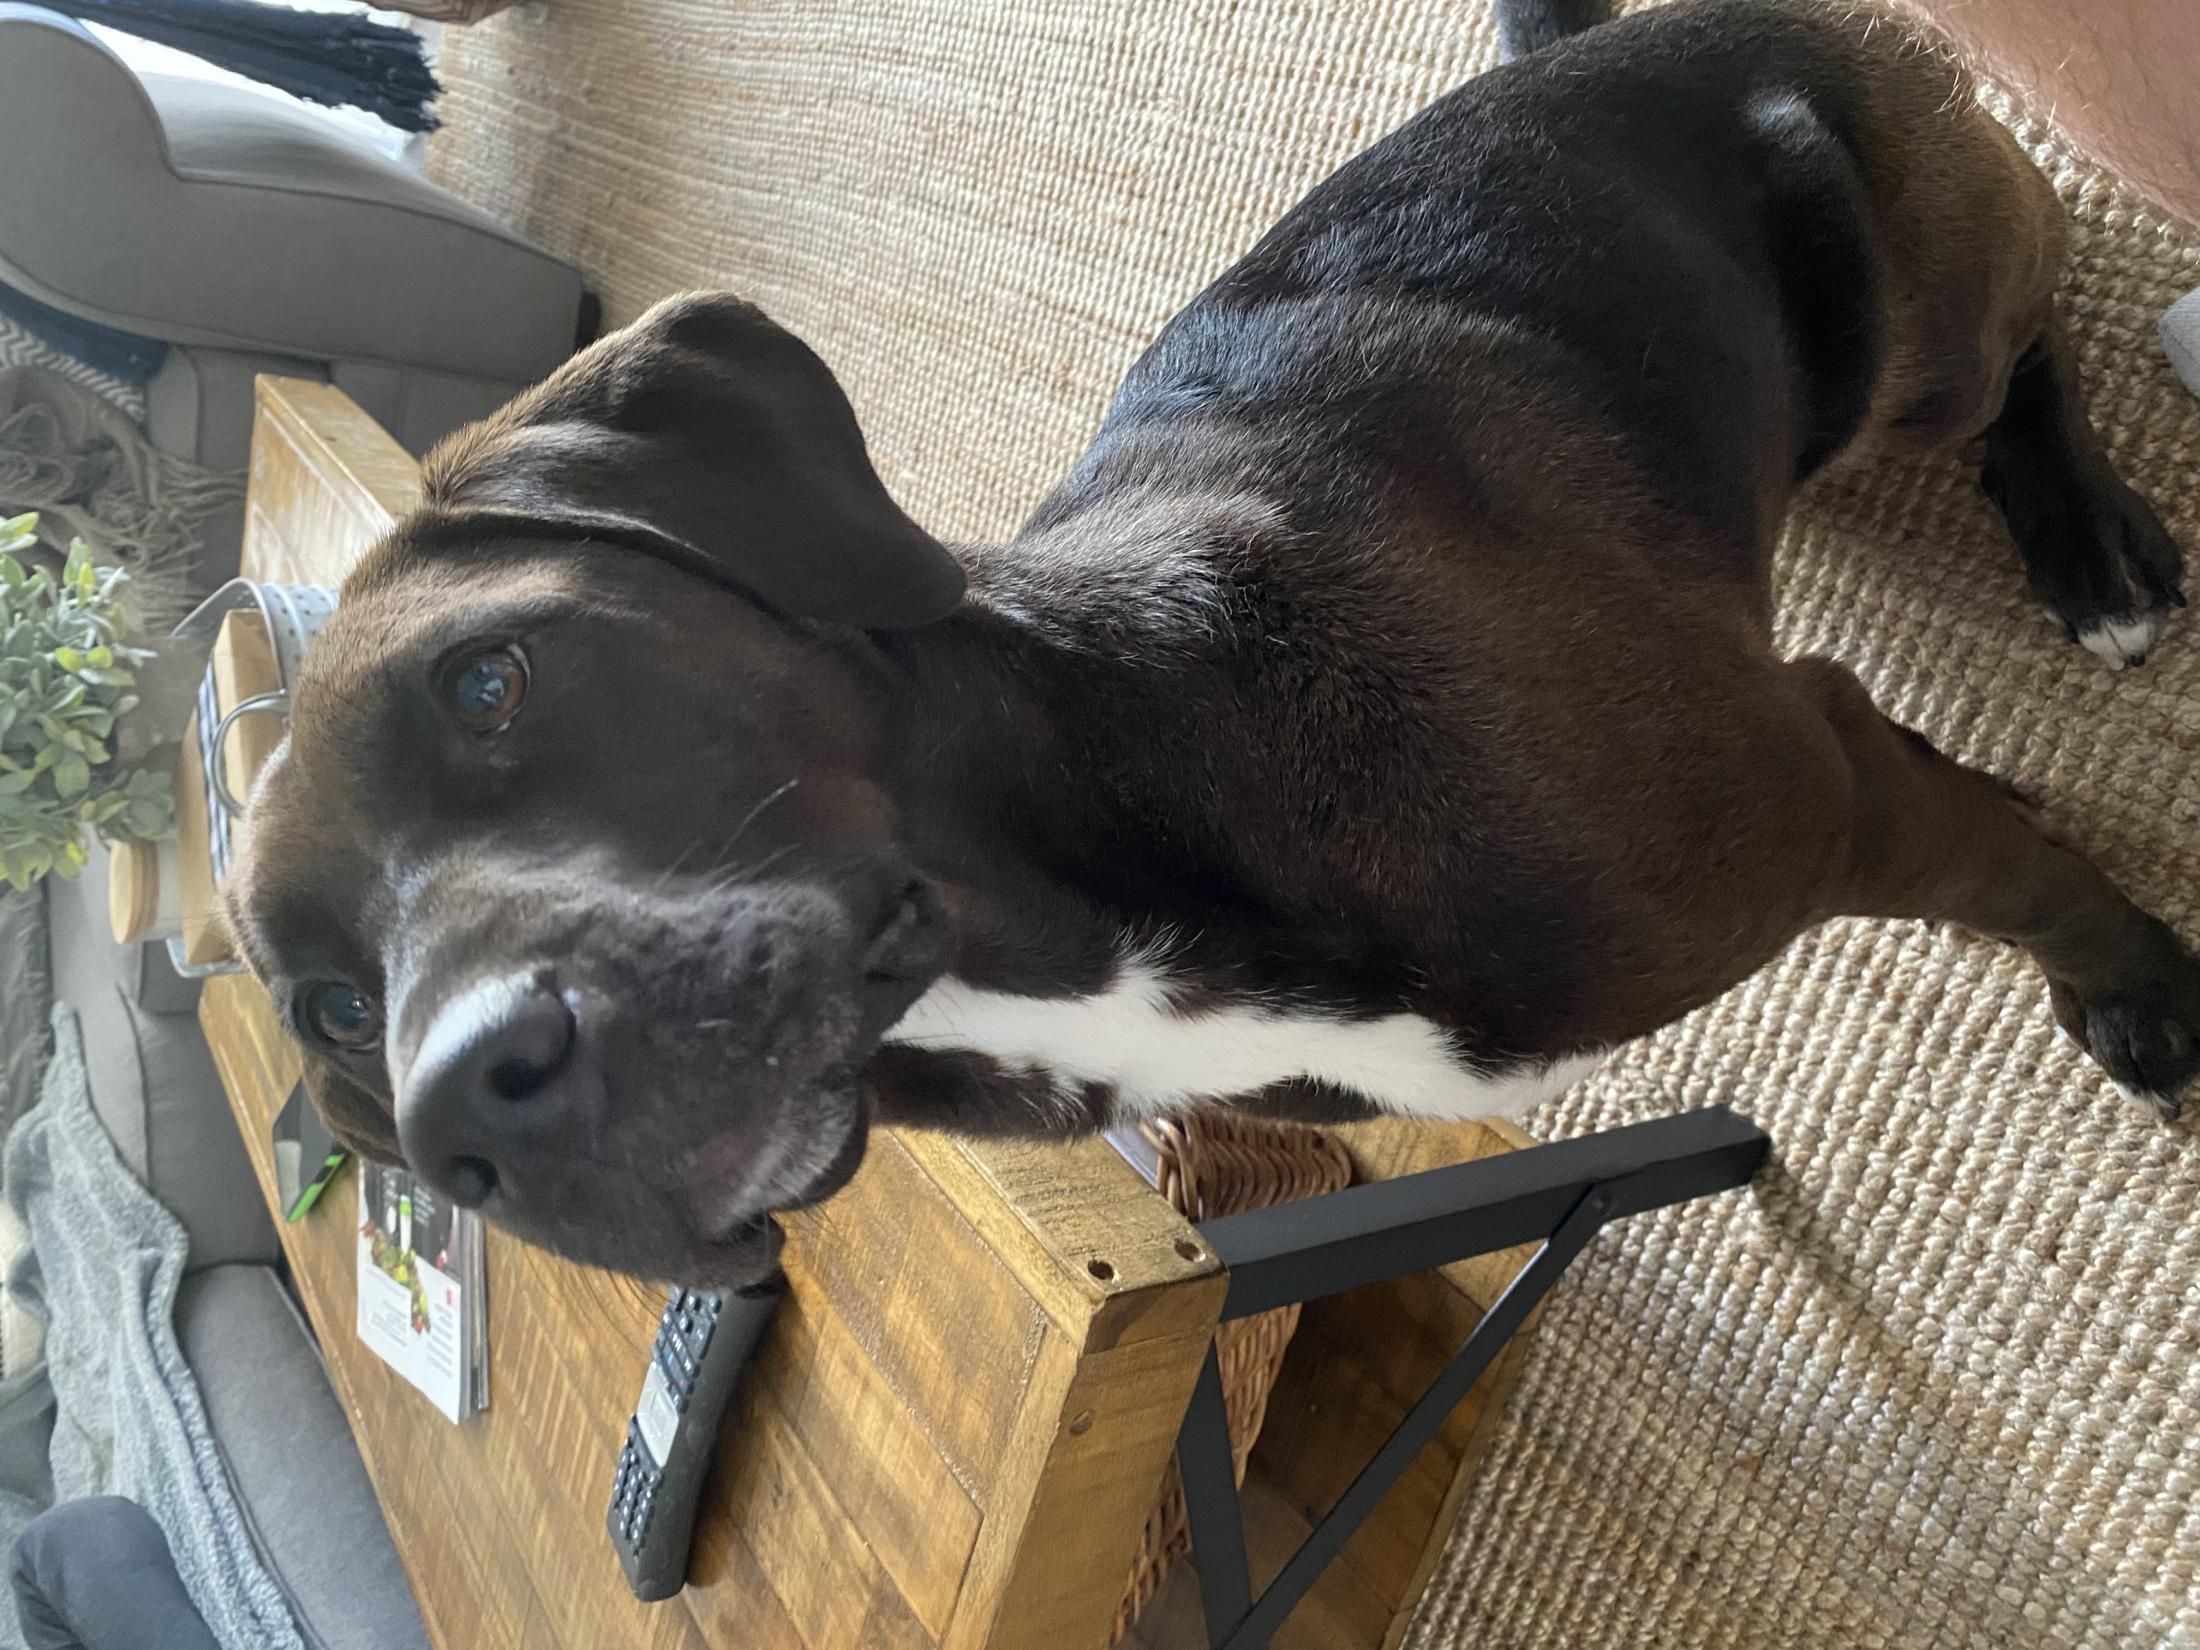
{"x":1209,"y":1164}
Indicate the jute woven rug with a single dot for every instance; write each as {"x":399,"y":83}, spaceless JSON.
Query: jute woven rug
{"x":1933,"y":1383}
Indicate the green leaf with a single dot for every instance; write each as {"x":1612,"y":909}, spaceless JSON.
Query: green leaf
{"x":67,"y":681}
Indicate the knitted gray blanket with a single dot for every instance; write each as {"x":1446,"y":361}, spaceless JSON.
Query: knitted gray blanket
{"x":90,"y":473}
{"x":102,"y":1271}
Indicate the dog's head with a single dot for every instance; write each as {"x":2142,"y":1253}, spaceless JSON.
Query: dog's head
{"x":578,"y":876}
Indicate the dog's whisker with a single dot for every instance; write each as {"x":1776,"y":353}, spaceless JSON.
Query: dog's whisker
{"x":743,"y":871}
{"x":757,"y":812}
{"x":664,"y":877}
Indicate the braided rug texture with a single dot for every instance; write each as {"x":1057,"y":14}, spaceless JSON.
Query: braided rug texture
{"x":1932,"y":1382}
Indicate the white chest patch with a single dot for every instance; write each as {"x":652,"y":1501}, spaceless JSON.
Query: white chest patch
{"x":1158,"y":1057}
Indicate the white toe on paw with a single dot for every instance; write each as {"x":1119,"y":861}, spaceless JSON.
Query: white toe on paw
{"x":2160,"y":1106}
{"x":2121,"y":641}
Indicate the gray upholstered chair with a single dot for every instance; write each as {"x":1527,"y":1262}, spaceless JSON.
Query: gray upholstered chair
{"x":251,"y":236}
{"x":254,"y":236}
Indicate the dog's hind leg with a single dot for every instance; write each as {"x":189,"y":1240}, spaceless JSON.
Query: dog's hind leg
{"x":1931,"y":838}
{"x":2098,"y":556}
{"x":1975,"y":242}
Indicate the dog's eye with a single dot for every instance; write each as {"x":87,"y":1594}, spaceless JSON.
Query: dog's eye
{"x":487,"y":688}
{"x":340,"y":1014}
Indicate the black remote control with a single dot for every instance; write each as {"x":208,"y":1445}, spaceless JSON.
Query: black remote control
{"x":702,"y":1344}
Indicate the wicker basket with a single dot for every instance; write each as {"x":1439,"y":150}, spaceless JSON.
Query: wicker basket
{"x":1210,"y":1164}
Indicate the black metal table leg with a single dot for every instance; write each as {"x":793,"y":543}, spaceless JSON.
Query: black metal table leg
{"x":1561,"y":1195}
{"x":1210,"y":1499}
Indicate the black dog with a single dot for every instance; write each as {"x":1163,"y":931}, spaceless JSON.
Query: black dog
{"x":1383,"y":715}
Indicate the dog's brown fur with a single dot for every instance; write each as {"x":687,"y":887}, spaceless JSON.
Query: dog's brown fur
{"x":1403,"y":645}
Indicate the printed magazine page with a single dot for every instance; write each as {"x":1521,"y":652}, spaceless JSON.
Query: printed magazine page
{"x":420,"y":1288}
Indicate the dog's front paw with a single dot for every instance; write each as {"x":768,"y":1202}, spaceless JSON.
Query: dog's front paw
{"x":2100,"y":559}
{"x":2144,"y":1033}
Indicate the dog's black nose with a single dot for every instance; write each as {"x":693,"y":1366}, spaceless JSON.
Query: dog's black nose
{"x":494,"y":1072}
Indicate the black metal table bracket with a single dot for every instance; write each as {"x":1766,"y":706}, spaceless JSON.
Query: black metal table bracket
{"x":1559,"y":1195}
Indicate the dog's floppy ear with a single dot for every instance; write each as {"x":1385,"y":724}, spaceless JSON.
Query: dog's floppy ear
{"x":706,"y":434}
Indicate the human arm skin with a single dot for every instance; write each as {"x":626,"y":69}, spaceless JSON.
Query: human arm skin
{"x":2121,"y":77}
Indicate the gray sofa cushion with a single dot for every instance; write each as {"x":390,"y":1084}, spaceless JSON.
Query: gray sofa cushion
{"x":26,"y":997}
{"x":26,"y":1044}
{"x":153,"y":1081}
{"x":416,"y":406}
{"x":200,"y":406}
{"x":291,"y":1460}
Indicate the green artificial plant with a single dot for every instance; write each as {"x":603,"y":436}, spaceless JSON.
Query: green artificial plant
{"x":66,"y":681}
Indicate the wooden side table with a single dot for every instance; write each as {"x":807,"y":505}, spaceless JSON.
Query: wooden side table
{"x":961,"y":1417}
